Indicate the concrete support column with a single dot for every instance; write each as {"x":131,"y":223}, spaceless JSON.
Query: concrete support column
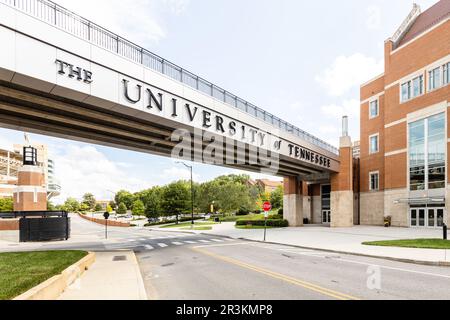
{"x":30,"y":193}
{"x":342,"y":200}
{"x":293,"y":202}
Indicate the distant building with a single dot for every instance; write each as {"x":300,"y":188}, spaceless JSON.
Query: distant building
{"x":11,"y":161}
{"x":266,"y":185}
{"x":103,"y":203}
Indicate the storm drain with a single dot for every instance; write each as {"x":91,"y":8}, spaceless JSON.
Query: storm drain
{"x":119,"y":258}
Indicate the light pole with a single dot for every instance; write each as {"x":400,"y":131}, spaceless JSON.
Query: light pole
{"x":192,"y":189}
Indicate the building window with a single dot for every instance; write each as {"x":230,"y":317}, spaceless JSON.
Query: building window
{"x":374,"y":179}
{"x":373,"y":144}
{"x":427,"y":149}
{"x":412,"y":88}
{"x":446,"y":73}
{"x":434,"y":79}
{"x":374,"y":109}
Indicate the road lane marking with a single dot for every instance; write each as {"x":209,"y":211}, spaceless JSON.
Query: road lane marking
{"x":162,"y":245}
{"x":177,"y":243}
{"x":397,"y":269}
{"x":298,"y":282}
{"x":217,"y":240}
{"x":204,"y":241}
{"x":190,"y":242}
{"x":149,"y":247}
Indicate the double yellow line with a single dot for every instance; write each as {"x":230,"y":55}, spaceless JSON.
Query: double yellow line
{"x":294,"y":281}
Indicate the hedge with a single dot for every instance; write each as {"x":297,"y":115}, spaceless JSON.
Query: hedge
{"x":180,"y":220}
{"x":279,"y":223}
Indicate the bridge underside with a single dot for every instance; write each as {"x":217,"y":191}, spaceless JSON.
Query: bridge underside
{"x":27,"y":110}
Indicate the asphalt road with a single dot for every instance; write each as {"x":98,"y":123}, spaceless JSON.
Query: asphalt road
{"x":177,"y":265}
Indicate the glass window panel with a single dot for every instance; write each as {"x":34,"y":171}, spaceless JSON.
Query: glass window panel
{"x":418,"y":86}
{"x":405,"y":92}
{"x":374,"y":144}
{"x":431,"y":217}
{"x":374,"y":109}
{"x":446,"y":73}
{"x":417,"y":155}
{"x":422,"y":218}
{"x":440,"y":217}
{"x":414,"y":218}
{"x":436,"y":151}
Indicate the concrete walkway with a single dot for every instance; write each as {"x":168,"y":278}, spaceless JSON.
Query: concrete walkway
{"x":344,"y":240}
{"x":113,"y":276}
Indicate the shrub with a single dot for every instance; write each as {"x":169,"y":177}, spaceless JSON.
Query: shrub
{"x":280,"y":212}
{"x":279,"y":223}
{"x":242,"y":212}
{"x":258,"y":211}
{"x":122,"y":209}
{"x":276,"y":217}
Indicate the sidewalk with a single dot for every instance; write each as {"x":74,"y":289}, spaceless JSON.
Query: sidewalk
{"x":113,"y":276}
{"x":344,"y":240}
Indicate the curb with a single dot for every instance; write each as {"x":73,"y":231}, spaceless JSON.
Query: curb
{"x":142,"y":291}
{"x":413,"y":261}
{"x":52,"y":288}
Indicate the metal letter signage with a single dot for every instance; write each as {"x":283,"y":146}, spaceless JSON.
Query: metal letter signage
{"x":74,"y":72}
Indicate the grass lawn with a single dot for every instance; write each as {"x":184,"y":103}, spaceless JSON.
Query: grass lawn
{"x":198,"y":228}
{"x":253,"y":227}
{"x":20,"y":272}
{"x":189,"y":224}
{"x":413,"y":243}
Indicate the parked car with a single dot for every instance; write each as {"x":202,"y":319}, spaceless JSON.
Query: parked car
{"x":153,"y":220}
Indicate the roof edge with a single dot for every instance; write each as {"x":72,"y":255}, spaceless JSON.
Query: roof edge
{"x":406,"y":24}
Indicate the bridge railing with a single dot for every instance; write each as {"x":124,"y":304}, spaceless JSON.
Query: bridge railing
{"x":68,"y":21}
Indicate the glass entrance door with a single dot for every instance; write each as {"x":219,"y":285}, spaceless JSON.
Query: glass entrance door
{"x":427,"y":217}
{"x":326,"y":216}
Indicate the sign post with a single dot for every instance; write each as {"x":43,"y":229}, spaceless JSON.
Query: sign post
{"x":106,"y":216}
{"x":267,"y":207}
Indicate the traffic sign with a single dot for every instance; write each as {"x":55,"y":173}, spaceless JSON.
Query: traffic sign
{"x":267,"y":206}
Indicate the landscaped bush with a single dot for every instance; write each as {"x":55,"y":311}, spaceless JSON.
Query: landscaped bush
{"x":171,"y":221}
{"x":242,"y":212}
{"x":258,"y":211}
{"x":279,"y":223}
{"x":280,"y":212}
{"x":276,"y":217}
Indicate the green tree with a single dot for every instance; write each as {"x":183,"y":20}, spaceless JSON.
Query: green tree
{"x":72,"y":205}
{"x":109,"y":209}
{"x":89,"y":200}
{"x":153,"y":202}
{"x":122,"y":209}
{"x":125,"y":197}
{"x":98,"y":207}
{"x":84,"y":207}
{"x":113,"y":205}
{"x":176,"y":199}
{"x":50,"y":206}
{"x":276,"y":198}
{"x":6,"y":205}
{"x":138,"y":208}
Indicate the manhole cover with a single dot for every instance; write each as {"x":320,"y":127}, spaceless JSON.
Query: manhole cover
{"x":119,"y":258}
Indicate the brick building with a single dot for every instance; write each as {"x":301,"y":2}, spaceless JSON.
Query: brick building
{"x":404,"y":125}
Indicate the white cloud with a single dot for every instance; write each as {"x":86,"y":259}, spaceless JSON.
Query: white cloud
{"x":373,"y":20}
{"x":348,"y":72}
{"x":85,"y":169}
{"x":349,"y":108}
{"x":138,"y":20}
{"x":175,"y":173}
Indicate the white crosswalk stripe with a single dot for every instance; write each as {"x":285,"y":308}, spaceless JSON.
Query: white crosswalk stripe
{"x":162,"y":245}
{"x":149,"y":247}
{"x":190,"y":242}
{"x":205,"y":241}
{"x":217,"y":240}
{"x":177,"y":243}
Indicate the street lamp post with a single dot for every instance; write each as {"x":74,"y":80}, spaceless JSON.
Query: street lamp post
{"x":192,"y":190}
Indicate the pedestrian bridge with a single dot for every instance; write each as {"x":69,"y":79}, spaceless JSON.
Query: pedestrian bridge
{"x":65,"y":76}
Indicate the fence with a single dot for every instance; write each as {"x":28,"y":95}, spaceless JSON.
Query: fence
{"x":68,"y":21}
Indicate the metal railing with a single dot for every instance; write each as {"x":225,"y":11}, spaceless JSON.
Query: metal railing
{"x":68,"y":21}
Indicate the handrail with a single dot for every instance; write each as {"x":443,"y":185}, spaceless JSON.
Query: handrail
{"x":54,"y":14}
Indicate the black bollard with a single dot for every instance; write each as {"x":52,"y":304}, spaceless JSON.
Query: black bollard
{"x":445,"y":231}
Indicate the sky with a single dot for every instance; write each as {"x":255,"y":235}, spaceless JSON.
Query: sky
{"x":303,"y":61}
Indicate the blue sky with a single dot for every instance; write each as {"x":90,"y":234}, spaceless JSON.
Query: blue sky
{"x":301,"y":60}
